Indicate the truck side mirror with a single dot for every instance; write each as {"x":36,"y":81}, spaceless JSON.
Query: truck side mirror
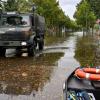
{"x":34,"y":7}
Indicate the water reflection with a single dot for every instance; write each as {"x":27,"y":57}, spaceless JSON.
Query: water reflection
{"x":88,"y":50}
{"x":97,"y":51}
{"x":52,"y":39}
{"x":85,"y":50}
{"x":20,"y":76}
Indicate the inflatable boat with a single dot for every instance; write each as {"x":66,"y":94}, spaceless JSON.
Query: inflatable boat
{"x":82,"y":84}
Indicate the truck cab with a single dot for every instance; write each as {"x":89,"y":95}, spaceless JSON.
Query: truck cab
{"x":21,"y":31}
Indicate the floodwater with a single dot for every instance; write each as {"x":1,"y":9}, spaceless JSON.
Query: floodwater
{"x":42,"y":77}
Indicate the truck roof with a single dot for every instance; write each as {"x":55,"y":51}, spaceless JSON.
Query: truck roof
{"x":15,"y":14}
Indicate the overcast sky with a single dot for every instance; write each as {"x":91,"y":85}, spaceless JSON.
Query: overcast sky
{"x":69,"y":6}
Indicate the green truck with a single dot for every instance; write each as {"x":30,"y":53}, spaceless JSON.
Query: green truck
{"x":21,"y":30}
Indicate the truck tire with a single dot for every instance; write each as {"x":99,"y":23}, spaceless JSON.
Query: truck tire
{"x":41,"y":45}
{"x":31,"y":49}
{"x":18,"y":52}
{"x":2,"y":51}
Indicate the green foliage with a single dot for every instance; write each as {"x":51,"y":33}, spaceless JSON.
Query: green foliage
{"x":84,"y":15}
{"x":53,"y":14}
{"x":16,"y":5}
{"x":95,"y":6}
{"x":9,"y":7}
{"x":1,"y":5}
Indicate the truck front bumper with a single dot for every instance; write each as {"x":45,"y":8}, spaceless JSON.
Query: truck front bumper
{"x":13,"y":44}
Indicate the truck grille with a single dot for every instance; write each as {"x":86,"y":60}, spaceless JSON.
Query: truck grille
{"x":13,"y":37}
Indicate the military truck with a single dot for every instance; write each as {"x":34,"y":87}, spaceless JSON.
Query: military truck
{"x":21,"y":30}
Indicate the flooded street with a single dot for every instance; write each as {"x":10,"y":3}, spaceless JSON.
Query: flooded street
{"x":42,"y":77}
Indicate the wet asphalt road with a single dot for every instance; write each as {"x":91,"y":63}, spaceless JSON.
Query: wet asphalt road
{"x":40,"y":77}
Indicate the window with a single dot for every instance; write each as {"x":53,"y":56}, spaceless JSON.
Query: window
{"x":15,"y":20}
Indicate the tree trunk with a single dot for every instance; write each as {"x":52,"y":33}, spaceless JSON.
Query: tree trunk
{"x":83,"y":32}
{"x":92,"y":31}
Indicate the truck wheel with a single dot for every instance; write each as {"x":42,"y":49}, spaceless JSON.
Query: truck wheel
{"x":41,"y":45}
{"x":18,"y":52}
{"x":31,"y":50}
{"x":2,"y":51}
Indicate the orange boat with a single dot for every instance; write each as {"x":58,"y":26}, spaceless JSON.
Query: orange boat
{"x":88,"y":73}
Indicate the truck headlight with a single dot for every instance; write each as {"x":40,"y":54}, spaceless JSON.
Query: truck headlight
{"x":23,"y":43}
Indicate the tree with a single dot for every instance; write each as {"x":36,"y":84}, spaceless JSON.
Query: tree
{"x":11,"y":5}
{"x":1,"y":6}
{"x":95,"y":6}
{"x":84,"y":15}
{"x":16,"y":5}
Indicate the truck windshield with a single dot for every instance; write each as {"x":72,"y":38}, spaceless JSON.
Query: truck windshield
{"x":12,"y":20}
